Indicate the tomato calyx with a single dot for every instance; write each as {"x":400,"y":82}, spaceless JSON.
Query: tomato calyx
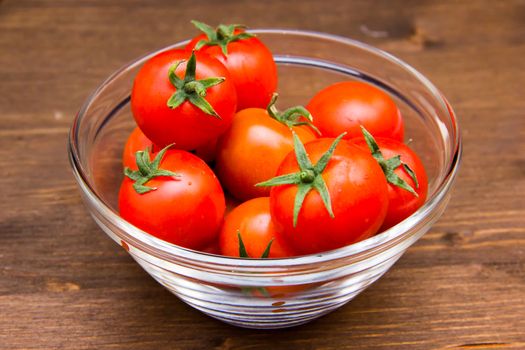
{"x":190,"y":89}
{"x":390,"y":165}
{"x":242,"y":248}
{"x":220,"y":36}
{"x":308,"y":178}
{"x":293,"y":116}
{"x":147,"y":170}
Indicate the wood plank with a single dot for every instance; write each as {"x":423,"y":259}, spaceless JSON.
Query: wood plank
{"x":64,"y":284}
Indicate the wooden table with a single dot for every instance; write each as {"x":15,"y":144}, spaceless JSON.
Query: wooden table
{"x":65,"y":285}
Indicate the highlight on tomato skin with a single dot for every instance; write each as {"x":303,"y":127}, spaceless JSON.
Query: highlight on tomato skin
{"x":352,"y":209}
{"x":184,"y":205}
{"x":251,"y":221}
{"x":183,"y":98}
{"x":401,"y":202}
{"x":345,"y":106}
{"x":252,"y":149}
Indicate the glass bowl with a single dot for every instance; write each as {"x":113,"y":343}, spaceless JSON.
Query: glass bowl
{"x":272,"y":293}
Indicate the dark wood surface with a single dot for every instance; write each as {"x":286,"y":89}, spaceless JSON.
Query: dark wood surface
{"x":65,"y":285}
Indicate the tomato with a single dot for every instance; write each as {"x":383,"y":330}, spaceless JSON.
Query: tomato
{"x":254,"y":146}
{"x":248,"y":60}
{"x":176,"y":197}
{"x":327,"y":194}
{"x":407,"y":187}
{"x":252,"y":221}
{"x":345,"y":106}
{"x":190,"y":115}
{"x":137,"y":141}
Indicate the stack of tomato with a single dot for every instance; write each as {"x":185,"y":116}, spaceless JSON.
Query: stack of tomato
{"x":284,"y":183}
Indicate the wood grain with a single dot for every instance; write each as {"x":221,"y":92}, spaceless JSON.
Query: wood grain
{"x":65,"y":285}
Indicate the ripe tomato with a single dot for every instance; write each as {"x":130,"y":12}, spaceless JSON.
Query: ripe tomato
{"x":183,"y":99}
{"x":394,"y":158}
{"x":137,"y":141}
{"x":340,"y":200}
{"x":345,"y":106}
{"x":249,"y":61}
{"x":176,"y":198}
{"x":254,"y":146}
{"x":252,"y":221}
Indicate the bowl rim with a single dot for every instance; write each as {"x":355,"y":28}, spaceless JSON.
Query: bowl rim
{"x":166,"y":250}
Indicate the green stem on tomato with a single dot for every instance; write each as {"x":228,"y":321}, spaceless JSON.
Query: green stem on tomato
{"x":242,"y":248}
{"x":147,"y":170}
{"x":220,"y":36}
{"x":293,"y":116}
{"x":309,"y":177}
{"x":190,"y":89}
{"x":390,"y":165}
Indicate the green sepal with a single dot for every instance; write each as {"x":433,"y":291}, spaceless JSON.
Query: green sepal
{"x":325,"y":158}
{"x":266,"y":252}
{"x":320,"y":186}
{"x":203,"y":27}
{"x":242,"y":248}
{"x":190,"y":89}
{"x":285,"y":179}
{"x":390,"y":165}
{"x":293,"y":116}
{"x":177,"y":99}
{"x":307,"y":178}
{"x":302,"y":191}
{"x":147,"y":170}
{"x":220,"y":36}
{"x":174,"y":78}
{"x":411,"y":173}
{"x":203,"y":105}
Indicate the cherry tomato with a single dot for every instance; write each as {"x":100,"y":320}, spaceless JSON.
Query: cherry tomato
{"x":190,"y":115}
{"x":402,"y":200}
{"x":137,"y":141}
{"x":252,"y":221}
{"x":252,"y":149}
{"x":345,"y":106}
{"x":249,"y":61}
{"x":184,"y":204}
{"x":321,"y":202}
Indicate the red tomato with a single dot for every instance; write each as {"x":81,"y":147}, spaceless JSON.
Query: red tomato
{"x":183,"y":122}
{"x":137,"y":141}
{"x":401,"y":202}
{"x":253,"y":222}
{"x":357,"y":194}
{"x":345,"y":106}
{"x":249,"y":61}
{"x":252,"y":149}
{"x":186,"y":209}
